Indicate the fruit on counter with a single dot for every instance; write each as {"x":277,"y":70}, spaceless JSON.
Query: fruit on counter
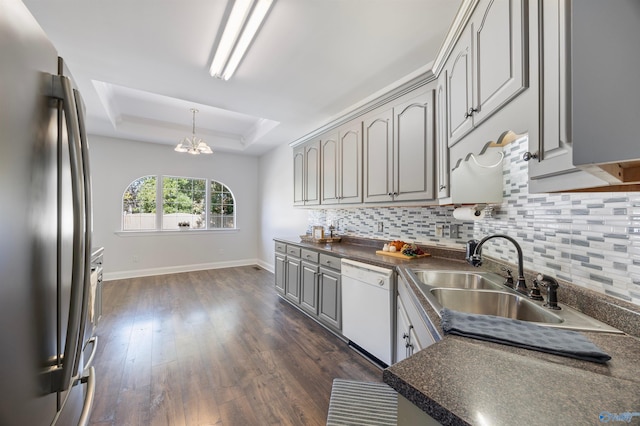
{"x":411,"y":250}
{"x":398,"y":244}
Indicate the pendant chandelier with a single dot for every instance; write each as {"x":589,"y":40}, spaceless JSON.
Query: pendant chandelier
{"x":193,"y":145}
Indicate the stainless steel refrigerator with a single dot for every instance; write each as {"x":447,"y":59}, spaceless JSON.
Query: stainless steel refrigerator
{"x":45,"y":232}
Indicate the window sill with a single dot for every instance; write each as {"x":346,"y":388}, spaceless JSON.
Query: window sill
{"x":171,"y":232}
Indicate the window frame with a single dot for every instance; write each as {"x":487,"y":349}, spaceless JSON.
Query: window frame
{"x":159,"y":213}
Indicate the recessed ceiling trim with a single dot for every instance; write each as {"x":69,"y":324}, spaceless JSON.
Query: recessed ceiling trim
{"x":107,"y":98}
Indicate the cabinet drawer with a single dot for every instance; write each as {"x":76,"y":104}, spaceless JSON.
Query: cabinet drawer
{"x":293,"y":251}
{"x":281,"y":247}
{"x":309,"y":255}
{"x":330,"y":261}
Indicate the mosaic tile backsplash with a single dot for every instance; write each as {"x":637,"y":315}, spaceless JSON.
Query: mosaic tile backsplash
{"x":589,"y":239}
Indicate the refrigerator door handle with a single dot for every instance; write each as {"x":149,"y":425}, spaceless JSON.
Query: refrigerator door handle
{"x":89,"y":397}
{"x":86,"y":179}
{"x":89,"y":361}
{"x":62,"y":90}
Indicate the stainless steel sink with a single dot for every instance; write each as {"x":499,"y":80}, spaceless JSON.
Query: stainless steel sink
{"x":484,"y":293}
{"x":454,"y":279}
{"x":497,"y":303}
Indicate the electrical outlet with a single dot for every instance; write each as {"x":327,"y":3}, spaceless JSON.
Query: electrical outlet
{"x":454,"y":231}
{"x":135,"y":258}
{"x":380,"y":226}
{"x":439,"y":230}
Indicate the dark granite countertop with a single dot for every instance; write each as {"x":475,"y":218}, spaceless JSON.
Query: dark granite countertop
{"x":462,"y":381}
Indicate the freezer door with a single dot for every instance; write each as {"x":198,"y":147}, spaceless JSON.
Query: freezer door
{"x":28,"y":196}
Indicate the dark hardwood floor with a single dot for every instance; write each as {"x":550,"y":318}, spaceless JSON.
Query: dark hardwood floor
{"x":214,"y":347}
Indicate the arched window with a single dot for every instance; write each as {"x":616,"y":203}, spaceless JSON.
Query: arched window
{"x":177,"y":203}
{"x":139,"y":205}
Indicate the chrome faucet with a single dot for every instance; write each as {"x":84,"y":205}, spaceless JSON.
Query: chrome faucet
{"x":474,"y":257}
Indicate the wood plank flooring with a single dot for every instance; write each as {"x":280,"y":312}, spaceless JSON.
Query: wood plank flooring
{"x":214,"y":347}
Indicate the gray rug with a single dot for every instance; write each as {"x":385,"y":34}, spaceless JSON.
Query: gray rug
{"x":362,"y":403}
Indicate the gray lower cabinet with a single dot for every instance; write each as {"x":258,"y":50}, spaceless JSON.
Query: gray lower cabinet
{"x":309,"y":287}
{"x":280,"y":267}
{"x":330,"y":298}
{"x":292,"y":281}
{"x":412,"y":331}
{"x":311,"y":281}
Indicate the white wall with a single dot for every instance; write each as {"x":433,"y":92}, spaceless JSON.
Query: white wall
{"x":116,"y":163}
{"x":278,"y":218}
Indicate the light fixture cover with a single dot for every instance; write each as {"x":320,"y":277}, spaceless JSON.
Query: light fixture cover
{"x":244,"y":21}
{"x":193,"y":144}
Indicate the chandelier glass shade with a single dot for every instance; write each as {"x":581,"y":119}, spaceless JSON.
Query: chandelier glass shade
{"x":193,"y":144}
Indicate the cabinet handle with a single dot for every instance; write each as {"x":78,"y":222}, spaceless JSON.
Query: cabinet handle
{"x":528,"y":156}
{"x":470,"y":112}
{"x":442,"y":187}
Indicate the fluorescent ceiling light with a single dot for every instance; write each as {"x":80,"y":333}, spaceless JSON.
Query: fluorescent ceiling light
{"x":243,"y":24}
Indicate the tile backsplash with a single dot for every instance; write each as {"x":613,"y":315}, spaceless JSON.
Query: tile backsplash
{"x":589,"y":239}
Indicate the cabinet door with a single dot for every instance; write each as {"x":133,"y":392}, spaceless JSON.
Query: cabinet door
{"x":402,"y":332}
{"x":309,"y":287}
{"x":298,"y":176}
{"x":312,"y":173}
{"x":330,"y":309}
{"x":329,"y":170}
{"x":292,"y":281}
{"x":459,"y":89}
{"x":606,"y":104}
{"x":442,"y":147}
{"x":554,"y":148}
{"x":351,"y":163}
{"x":414,"y":168}
{"x":499,"y":55}
{"x":280,"y":267}
{"x":378,"y":157}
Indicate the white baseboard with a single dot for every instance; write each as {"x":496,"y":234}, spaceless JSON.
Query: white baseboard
{"x":266,"y":266}
{"x":136,"y":273}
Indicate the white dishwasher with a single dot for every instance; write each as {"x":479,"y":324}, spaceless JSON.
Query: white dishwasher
{"x":366,"y":308}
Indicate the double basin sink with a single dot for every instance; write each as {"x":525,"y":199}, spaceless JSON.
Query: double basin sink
{"x":484,"y":293}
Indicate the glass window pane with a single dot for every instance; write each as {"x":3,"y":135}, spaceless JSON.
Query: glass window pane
{"x":222,"y":207}
{"x":183,"y":202}
{"x":139,"y":205}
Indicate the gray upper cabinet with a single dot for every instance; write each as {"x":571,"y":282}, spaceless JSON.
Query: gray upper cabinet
{"x":459,"y":89}
{"x":378,"y":156}
{"x":488,"y":66}
{"x":442,"y":147}
{"x":587,"y":117}
{"x":306,"y":174}
{"x":399,"y":145}
{"x":605,"y":88}
{"x":414,"y":148}
{"x":551,"y":154}
{"x":330,"y":169}
{"x":341,"y":170}
{"x":298,"y":176}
